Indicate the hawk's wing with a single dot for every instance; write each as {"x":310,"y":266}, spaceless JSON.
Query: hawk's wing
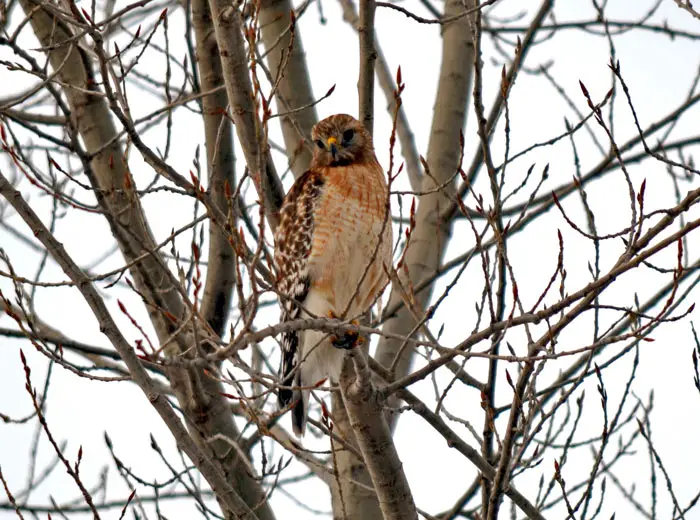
{"x":293,"y":241}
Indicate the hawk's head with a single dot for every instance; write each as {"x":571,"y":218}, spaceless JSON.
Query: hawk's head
{"x":340,"y":140}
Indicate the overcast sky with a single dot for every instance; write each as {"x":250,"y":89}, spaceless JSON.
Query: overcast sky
{"x":659,"y":72}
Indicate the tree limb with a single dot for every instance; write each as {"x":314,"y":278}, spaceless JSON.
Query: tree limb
{"x":218,"y":289}
{"x":228,"y":25}
{"x":374,"y":438}
{"x":430,"y":236}
{"x":368,"y":56}
{"x":200,"y":458}
{"x":294,"y":86}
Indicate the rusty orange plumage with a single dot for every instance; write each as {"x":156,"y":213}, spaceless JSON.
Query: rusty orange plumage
{"x":331,"y":248}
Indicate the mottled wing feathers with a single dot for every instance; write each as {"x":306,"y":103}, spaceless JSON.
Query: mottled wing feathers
{"x":293,"y":242}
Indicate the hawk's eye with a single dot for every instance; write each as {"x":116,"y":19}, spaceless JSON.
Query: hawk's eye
{"x":319,"y":143}
{"x":348,"y":135}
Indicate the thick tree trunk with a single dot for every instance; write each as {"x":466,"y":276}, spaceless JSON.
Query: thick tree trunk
{"x":200,"y":397}
{"x":353,"y":495}
{"x":218,"y":136}
{"x":431,"y":235}
{"x":294,"y":87}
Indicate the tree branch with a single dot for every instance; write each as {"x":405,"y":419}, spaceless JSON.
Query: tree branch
{"x":430,"y":237}
{"x":249,"y":129}
{"x":115,"y":191}
{"x":385,"y":78}
{"x":368,"y":56}
{"x":107,"y":325}
{"x":294,"y":86}
{"x":373,"y":435}
{"x":218,"y":289}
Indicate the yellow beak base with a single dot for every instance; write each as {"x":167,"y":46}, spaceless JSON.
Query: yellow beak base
{"x":333,"y":146}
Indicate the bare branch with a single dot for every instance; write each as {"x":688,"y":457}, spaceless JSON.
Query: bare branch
{"x":294,"y":87}
{"x":203,"y":461}
{"x":368,"y":56}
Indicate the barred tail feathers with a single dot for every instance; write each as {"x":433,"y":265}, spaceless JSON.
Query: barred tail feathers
{"x":300,"y":412}
{"x":290,"y":377}
{"x":287,"y":374}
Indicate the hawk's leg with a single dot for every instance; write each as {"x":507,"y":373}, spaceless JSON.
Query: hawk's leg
{"x":349,"y":339}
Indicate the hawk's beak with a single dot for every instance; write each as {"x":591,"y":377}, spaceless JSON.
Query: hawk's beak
{"x":332,"y":144}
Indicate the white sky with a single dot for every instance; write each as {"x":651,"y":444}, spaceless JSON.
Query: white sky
{"x":658,"y":71}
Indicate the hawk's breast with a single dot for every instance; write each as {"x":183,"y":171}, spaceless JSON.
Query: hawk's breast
{"x":351,"y":218}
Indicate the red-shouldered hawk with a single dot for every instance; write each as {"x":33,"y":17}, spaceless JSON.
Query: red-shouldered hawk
{"x":326,"y":253}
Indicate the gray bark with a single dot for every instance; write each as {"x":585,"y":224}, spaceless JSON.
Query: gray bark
{"x":365,"y":411}
{"x":294,"y":87}
{"x":251,"y":134}
{"x":200,"y":397}
{"x":218,"y":136}
{"x":431,"y":234}
{"x":353,"y":496}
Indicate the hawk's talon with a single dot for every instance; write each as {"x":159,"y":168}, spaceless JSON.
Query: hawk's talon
{"x":350,"y":338}
{"x":347,"y":341}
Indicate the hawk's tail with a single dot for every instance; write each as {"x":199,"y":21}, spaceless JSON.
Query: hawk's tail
{"x":291,"y":376}
{"x":287,"y":376}
{"x":301,"y":408}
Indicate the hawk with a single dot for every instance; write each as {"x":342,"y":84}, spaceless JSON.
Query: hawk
{"x":333,"y":242}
